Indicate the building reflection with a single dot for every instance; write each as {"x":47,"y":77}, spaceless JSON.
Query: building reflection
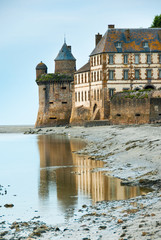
{"x":70,"y":174}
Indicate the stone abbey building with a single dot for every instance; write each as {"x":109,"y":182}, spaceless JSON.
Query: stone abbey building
{"x":123,"y":59}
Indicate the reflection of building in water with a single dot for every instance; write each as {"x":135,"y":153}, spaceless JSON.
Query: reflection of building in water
{"x":97,"y":184}
{"x":75,"y":175}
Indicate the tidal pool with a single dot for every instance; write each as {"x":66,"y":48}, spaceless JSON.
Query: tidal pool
{"x":44,"y":178}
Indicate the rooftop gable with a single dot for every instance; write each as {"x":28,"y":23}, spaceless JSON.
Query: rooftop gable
{"x":131,"y":40}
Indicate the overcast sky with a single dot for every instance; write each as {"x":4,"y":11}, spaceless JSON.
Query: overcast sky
{"x":33,"y":30}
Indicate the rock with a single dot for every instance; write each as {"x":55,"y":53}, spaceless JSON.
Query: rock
{"x":3,"y":233}
{"x":124,"y":227}
{"x":84,"y":206}
{"x":123,"y":235}
{"x":8,"y":205}
{"x":102,"y":227}
{"x":144,"y":233}
{"x":140,"y":225}
{"x":57,"y":229}
{"x":120,"y":221}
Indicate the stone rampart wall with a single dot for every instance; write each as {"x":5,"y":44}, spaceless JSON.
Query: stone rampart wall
{"x":130,"y":111}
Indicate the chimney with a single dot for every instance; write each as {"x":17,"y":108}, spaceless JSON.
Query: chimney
{"x":69,"y":47}
{"x":127,"y":34}
{"x":159,"y":34}
{"x":111,"y":26}
{"x":98,"y":37}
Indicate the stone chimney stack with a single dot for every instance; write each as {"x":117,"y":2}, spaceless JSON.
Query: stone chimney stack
{"x":98,"y":37}
{"x":111,"y":26}
{"x":70,"y":48}
{"x":127,"y":34}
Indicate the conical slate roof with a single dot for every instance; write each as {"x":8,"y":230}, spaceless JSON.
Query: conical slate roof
{"x":40,"y":66}
{"x":64,"y":54}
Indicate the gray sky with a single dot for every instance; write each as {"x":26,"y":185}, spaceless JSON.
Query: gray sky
{"x":33,"y":31}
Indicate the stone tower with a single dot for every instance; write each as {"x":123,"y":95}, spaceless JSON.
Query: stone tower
{"x":65,"y":62}
{"x":55,"y":90}
{"x":41,"y":68}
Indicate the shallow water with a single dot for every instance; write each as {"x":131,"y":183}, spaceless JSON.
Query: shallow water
{"x":44,"y":178}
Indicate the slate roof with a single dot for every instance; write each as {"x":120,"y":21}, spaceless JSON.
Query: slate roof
{"x":85,"y":68}
{"x":40,"y":66}
{"x":64,"y":54}
{"x":131,"y":41}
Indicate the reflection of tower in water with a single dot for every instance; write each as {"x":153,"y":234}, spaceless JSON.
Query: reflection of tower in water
{"x":75,"y":174}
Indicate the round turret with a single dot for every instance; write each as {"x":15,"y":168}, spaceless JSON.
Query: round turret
{"x":41,"y":68}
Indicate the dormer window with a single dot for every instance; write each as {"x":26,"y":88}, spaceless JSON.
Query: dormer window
{"x":118,"y":45}
{"x":145,"y":45}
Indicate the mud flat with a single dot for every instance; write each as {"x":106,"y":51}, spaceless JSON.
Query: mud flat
{"x":131,"y":153}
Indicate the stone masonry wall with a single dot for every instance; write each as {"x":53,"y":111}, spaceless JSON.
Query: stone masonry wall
{"x":130,"y":111}
{"x":155,"y":110}
{"x":66,"y":67}
{"x":55,"y":104}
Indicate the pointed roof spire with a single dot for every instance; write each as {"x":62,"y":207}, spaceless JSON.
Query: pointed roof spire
{"x":64,"y":38}
{"x":65,"y":53}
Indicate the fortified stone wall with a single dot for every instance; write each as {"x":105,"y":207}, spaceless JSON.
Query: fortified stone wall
{"x":55,"y":103}
{"x":130,"y":111}
{"x":155,"y":110}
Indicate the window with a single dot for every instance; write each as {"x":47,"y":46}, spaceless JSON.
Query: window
{"x":88,"y":77}
{"x":94,"y":94}
{"x":136,"y":74}
{"x":94,"y":61}
{"x":92,"y":76}
{"x":97,"y":94}
{"x":101,"y":75}
{"x":76,"y":97}
{"x":85,"y":77}
{"x":97,"y":60}
{"x":111,"y":74}
{"x":100,"y":60}
{"x":145,"y":45}
{"x":85,"y":96}
{"x":88,"y":95}
{"x":136,"y":59}
{"x":79,"y":97}
{"x":110,"y":59}
{"x":159,"y":73}
{"x":148,"y":74}
{"x":82,"y":77}
{"x":126,"y":74}
{"x":63,"y":88}
{"x":160,"y":58}
{"x":82,"y":96}
{"x":111,"y":92}
{"x":97,"y":75}
{"x":148,"y":58}
{"x":91,"y":61}
{"x":64,"y":102}
{"x":78,"y":78}
{"x":125,"y":59}
{"x":118,"y":45}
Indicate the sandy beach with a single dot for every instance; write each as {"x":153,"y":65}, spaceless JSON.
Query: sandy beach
{"x":131,"y":153}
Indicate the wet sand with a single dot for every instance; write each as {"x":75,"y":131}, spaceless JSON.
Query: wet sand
{"x":131,"y":153}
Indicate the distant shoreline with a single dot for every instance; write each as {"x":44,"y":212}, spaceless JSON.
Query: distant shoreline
{"x":15,"y":128}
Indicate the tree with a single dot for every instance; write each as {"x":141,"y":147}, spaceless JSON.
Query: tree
{"x":156,"y":22}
